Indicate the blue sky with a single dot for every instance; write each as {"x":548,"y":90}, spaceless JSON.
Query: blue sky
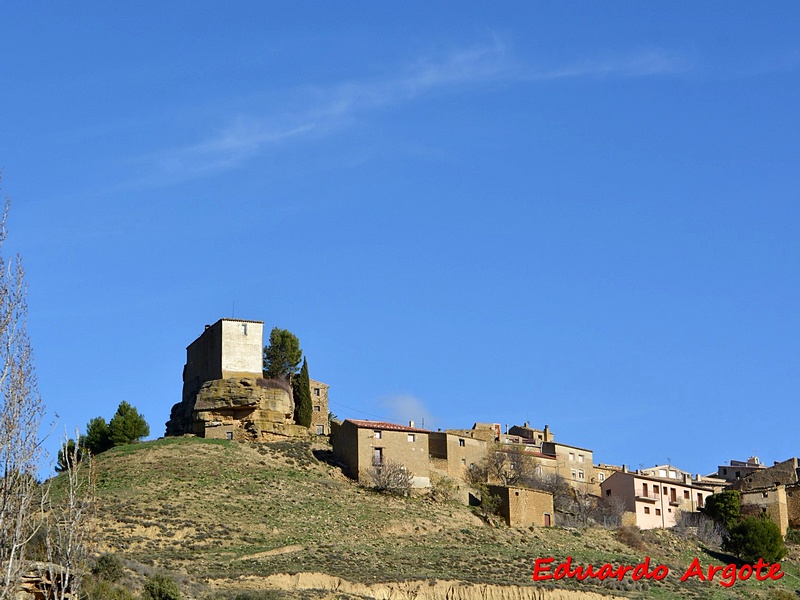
{"x":583,"y":215}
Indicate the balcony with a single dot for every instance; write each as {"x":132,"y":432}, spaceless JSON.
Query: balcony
{"x":649,"y":497}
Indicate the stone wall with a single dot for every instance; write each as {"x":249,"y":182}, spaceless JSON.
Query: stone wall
{"x":319,"y":407}
{"x":521,"y":507}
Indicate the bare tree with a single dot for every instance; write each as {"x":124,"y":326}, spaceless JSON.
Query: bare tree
{"x":391,"y":477}
{"x":21,"y":411}
{"x":67,"y":520}
{"x":511,"y":466}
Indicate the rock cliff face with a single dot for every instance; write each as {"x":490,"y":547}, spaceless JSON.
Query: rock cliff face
{"x":236,"y":408}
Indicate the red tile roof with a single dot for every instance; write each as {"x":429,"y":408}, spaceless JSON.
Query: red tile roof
{"x":385,"y":426}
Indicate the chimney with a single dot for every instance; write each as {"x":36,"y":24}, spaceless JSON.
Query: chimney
{"x":527,"y":424}
{"x":624,"y":468}
{"x":411,"y":423}
{"x":546,"y":433}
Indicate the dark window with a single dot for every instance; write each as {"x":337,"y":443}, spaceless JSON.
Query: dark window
{"x":462,"y":443}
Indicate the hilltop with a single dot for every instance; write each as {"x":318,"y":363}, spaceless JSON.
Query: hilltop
{"x":222,"y":517}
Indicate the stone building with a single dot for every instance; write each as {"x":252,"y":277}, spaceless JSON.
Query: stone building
{"x":453,"y":455}
{"x":574,"y":464}
{"x":361,"y":445}
{"x":523,"y":507}
{"x":771,"y":501}
{"x":225,"y":394}
{"x":319,"y":408}
{"x":529,"y":435}
{"x":780,"y":473}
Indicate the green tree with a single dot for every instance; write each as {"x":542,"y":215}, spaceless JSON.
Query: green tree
{"x":282,"y":356}
{"x":301,"y":390}
{"x":97,"y":438}
{"x":127,"y":425}
{"x":754,"y":538}
{"x":725,"y":508}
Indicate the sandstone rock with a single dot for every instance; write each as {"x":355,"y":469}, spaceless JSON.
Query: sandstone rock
{"x":238,"y":408}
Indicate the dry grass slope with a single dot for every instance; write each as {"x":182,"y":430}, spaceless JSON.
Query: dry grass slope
{"x":218,"y":514}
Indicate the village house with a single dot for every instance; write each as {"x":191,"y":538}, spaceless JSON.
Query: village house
{"x":453,"y":455}
{"x":655,"y":501}
{"x":574,"y":464}
{"x":362,"y":445}
{"x":522,"y":507}
{"x":738,"y":469}
{"x":780,"y":473}
{"x":770,"y":501}
{"x":529,"y":435}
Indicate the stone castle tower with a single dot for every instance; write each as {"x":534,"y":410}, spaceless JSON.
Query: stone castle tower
{"x":224,"y":392}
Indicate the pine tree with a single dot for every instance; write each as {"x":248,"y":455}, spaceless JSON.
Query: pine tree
{"x":97,"y":439}
{"x":127,"y":425}
{"x":301,"y":389}
{"x":283,"y":354}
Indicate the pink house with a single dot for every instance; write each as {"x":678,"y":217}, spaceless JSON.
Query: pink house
{"x":655,"y":501}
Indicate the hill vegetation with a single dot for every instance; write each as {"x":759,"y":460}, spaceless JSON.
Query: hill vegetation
{"x":226,"y":519}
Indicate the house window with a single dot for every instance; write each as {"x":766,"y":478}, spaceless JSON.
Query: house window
{"x":320,"y":430}
{"x":572,"y":456}
{"x":673,"y":474}
{"x":376,"y":435}
{"x":462,"y":443}
{"x":686,"y":495}
{"x":724,"y":471}
{"x":412,"y":437}
{"x":662,"y":472}
{"x":229,"y":435}
{"x":647,"y":510}
{"x":244,"y":328}
{"x":608,"y":492}
{"x":316,"y":391}
{"x":316,"y":408}
{"x":664,"y":490}
{"x":464,"y":461}
{"x":738,"y":474}
{"x":658,"y":512}
{"x":644,"y":490}
{"x":580,"y":457}
{"x":765,"y":494}
{"x":574,"y":474}
{"x":699,"y":500}
{"x":581,"y":474}
{"x":601,"y":477}
{"x":377,"y":457}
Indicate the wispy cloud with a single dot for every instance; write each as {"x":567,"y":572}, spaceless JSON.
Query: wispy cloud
{"x":333,"y":108}
{"x":404,"y":408}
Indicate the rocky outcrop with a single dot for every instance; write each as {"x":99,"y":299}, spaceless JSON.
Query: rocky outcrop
{"x":328,"y":586}
{"x":238,"y":408}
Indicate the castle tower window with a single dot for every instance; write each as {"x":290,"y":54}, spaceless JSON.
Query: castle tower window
{"x":412,"y":437}
{"x":316,"y":408}
{"x":316,"y":391}
{"x":244,"y":328}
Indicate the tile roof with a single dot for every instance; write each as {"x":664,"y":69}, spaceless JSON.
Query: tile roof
{"x":386,"y":426}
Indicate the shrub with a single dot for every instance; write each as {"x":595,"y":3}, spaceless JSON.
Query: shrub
{"x":161,"y":587}
{"x":631,"y":536}
{"x":754,"y":538}
{"x":443,"y":489}
{"x":793,"y":536}
{"x":98,"y":589}
{"x":391,"y":477}
{"x":108,"y":567}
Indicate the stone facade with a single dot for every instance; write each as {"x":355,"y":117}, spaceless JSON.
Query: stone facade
{"x":360,"y":445}
{"x":522,"y":507}
{"x":655,"y":502}
{"x":529,"y":435}
{"x":453,"y":455}
{"x":770,"y":501}
{"x":319,"y":408}
{"x":574,"y":464}
{"x":781,"y":473}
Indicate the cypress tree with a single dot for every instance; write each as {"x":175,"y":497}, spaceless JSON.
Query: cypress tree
{"x":301,"y":389}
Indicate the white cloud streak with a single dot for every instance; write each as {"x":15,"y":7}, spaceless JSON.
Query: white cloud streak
{"x":336,"y":107}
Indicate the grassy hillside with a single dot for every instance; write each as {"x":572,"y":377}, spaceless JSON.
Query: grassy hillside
{"x":218,"y":515}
